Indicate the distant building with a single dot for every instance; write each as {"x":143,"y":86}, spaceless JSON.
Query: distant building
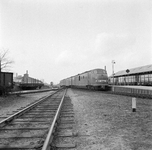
{"x":17,"y":78}
{"x":51,"y":84}
{"x":26,"y":82}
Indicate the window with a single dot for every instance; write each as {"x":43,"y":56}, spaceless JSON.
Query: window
{"x":133,"y":78}
{"x":150,"y":77}
{"x":79,"y":78}
{"x":95,"y":71}
{"x":127,"y":79}
{"x":99,"y":71}
{"x":146,"y":79}
{"x":142,"y":78}
{"x":103,"y":71}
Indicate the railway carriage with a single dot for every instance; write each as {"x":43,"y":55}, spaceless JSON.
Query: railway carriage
{"x":93,"y":79}
{"x":27,"y":83}
{"x":6,"y":82}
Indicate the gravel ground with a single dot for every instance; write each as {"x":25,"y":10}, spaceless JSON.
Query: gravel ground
{"x":13,"y":102}
{"x":106,"y":121}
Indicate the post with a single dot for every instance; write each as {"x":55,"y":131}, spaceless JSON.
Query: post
{"x":113,"y":62}
{"x":0,"y":72}
{"x":113,"y":72}
{"x":105,"y":67}
{"x":127,"y":75}
{"x":133,"y":104}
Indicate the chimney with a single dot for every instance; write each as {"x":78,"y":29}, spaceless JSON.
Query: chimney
{"x":105,"y":67}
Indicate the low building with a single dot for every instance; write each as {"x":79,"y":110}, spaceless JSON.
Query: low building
{"x":134,"y":76}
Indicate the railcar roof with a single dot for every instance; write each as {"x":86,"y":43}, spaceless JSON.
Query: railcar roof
{"x":90,"y":70}
{"x":84,"y":72}
{"x":142,"y":69}
{"x":7,"y":72}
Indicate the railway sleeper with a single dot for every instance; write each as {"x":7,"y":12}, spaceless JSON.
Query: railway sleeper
{"x":67,"y":115}
{"x":65,"y":146}
{"x":65,"y":128}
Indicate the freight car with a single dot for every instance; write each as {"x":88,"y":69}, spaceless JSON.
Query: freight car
{"x":135,"y":76}
{"x":93,"y":79}
{"x":6,"y":82}
{"x":27,"y":83}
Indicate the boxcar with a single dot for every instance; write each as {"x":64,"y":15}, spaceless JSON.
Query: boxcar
{"x":6,"y":82}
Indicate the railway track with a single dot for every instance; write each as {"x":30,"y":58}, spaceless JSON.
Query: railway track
{"x":34,"y":127}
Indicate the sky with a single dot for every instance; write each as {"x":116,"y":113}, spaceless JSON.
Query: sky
{"x":56,"y":39}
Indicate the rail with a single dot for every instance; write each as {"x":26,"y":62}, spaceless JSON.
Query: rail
{"x":10,"y":118}
{"x":46,"y":145}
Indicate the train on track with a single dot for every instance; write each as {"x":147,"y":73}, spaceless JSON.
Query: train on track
{"x":92,"y":79}
{"x":98,"y":78}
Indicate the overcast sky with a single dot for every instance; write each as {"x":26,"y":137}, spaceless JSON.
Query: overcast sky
{"x":55,"y":39}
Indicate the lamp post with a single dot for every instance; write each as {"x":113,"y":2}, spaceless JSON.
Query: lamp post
{"x":113,"y":62}
{"x":0,"y":72}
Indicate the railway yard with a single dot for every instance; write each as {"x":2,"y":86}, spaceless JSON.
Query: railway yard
{"x":89,"y":120}
{"x":76,"y":75}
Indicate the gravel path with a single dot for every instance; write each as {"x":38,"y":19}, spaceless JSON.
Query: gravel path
{"x":12,"y":103}
{"x":106,"y":122}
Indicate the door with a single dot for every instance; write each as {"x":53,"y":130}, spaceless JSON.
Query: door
{"x":89,"y":78}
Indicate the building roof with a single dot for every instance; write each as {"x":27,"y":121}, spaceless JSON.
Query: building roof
{"x":141,"y":69}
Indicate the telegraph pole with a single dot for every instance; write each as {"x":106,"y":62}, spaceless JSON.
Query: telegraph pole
{"x":0,"y":72}
{"x":113,"y":62}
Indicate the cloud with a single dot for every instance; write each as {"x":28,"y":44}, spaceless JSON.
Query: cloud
{"x":63,"y":57}
{"x":70,"y":58}
{"x":106,"y":48}
{"x":113,"y":44}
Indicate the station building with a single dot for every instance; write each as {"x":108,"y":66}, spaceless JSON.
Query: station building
{"x":134,"y":76}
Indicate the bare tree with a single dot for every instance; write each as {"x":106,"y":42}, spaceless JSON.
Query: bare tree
{"x":5,"y":62}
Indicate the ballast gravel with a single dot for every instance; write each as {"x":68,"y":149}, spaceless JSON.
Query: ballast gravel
{"x":106,"y":121}
{"x":10,"y":104}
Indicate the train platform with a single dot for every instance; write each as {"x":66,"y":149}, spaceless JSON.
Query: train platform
{"x":137,"y":91}
{"x":29,"y":91}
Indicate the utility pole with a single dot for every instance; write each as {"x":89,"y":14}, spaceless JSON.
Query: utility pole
{"x":0,"y":72}
{"x":113,"y":62}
